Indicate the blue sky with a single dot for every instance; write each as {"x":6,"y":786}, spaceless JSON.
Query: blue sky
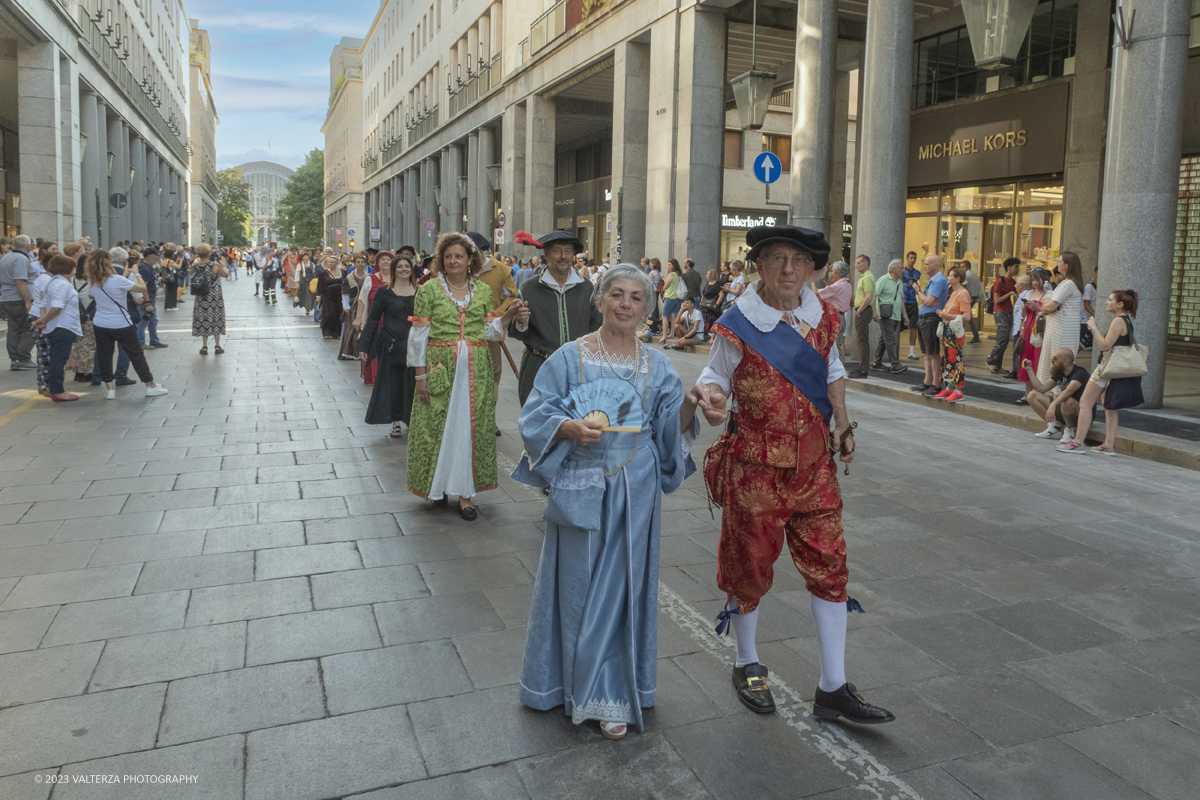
{"x":270,"y":70}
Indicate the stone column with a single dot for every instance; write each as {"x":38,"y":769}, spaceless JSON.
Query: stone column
{"x":472,"y":170}
{"x":512,"y":175}
{"x":485,"y":218}
{"x":448,"y":194}
{"x":90,"y":173}
{"x":154,"y":197}
{"x":1084,"y":176}
{"x":40,"y":150}
{"x":137,"y":192}
{"x":631,"y":112}
{"x":539,"y":165}
{"x":429,"y":171}
{"x":660,"y":147}
{"x":1141,"y":176}
{"x":883,"y":133}
{"x":72,"y":190}
{"x":700,"y":137}
{"x":813,"y":99}
{"x":99,"y":198}
{"x":837,"y":178}
{"x":410,"y":222}
{"x":117,"y":143}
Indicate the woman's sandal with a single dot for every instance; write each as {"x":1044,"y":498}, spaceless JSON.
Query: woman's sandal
{"x":614,"y":730}
{"x":218,"y":350}
{"x":203,"y":351}
{"x":397,"y":430}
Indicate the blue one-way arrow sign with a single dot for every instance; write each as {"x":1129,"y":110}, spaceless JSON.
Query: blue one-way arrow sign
{"x":767,"y":167}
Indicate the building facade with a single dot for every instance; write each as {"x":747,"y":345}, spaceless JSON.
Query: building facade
{"x":202,"y":140}
{"x":93,"y":119}
{"x":344,"y":217}
{"x":268,"y":184}
{"x":618,"y":120}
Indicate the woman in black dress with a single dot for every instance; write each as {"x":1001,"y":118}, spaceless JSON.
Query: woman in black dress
{"x":395,"y":381}
{"x":329,"y":297}
{"x":1113,"y":393}
{"x":710,"y":300}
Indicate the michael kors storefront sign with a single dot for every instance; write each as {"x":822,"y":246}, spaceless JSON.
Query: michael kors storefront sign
{"x":960,"y":147}
{"x":1009,"y":135}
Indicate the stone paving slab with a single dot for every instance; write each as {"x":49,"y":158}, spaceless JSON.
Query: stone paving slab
{"x":268,"y":590}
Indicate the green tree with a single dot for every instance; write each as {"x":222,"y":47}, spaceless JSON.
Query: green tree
{"x":301,"y":211}
{"x":233,"y":207}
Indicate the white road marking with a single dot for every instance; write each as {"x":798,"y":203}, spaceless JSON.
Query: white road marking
{"x":869,"y":775}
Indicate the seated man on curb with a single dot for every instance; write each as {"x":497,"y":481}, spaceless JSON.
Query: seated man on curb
{"x":689,"y":326}
{"x":1057,"y":400}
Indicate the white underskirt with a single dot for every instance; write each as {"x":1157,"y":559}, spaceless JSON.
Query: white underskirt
{"x":455,"y":471}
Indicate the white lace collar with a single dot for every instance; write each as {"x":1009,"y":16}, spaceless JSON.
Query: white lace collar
{"x":572,"y":279}
{"x":765,"y":318}
{"x":446,"y":288}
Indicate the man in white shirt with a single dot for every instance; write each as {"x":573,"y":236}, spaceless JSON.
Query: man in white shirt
{"x":774,"y":473}
{"x":689,"y":326}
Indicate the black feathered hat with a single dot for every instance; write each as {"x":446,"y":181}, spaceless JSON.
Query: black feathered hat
{"x":480,"y":240}
{"x":810,"y":241}
{"x":554,"y":237}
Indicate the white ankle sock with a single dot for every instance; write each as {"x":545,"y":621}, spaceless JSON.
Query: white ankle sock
{"x":744,"y":626}
{"x":830,"y":619}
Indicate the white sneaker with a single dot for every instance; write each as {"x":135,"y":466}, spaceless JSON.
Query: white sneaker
{"x":1052,"y":430}
{"x":110,"y":394}
{"x":1068,"y":435}
{"x":158,"y":391}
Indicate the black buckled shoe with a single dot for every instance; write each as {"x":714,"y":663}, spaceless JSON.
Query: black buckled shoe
{"x":751,"y":684}
{"x":847,"y":702}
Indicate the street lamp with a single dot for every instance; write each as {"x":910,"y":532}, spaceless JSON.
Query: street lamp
{"x":997,"y":29}
{"x":462,"y":185}
{"x":752,"y":89}
{"x":493,"y":171}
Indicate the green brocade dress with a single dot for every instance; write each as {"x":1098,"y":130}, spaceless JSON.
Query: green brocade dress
{"x":452,"y":440}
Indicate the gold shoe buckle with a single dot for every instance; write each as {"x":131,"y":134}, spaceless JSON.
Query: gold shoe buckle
{"x":750,"y":684}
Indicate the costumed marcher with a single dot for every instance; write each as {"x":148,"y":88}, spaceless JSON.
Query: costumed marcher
{"x":592,"y":638}
{"x":381,"y":277}
{"x":271,"y":272}
{"x":305,"y":273}
{"x":356,"y":279}
{"x":289,"y":275}
{"x":499,"y":278}
{"x":560,"y":305}
{"x":329,"y":297}
{"x":451,"y":444}
{"x":773,"y":471}
{"x":384,"y":342}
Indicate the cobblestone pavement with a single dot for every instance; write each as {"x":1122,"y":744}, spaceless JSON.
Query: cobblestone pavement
{"x":230,"y":582}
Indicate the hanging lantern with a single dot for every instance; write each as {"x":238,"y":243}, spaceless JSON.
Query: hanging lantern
{"x":997,"y":29}
{"x":752,"y":92}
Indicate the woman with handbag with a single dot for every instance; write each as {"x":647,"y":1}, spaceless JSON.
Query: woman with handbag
{"x":168,"y":275}
{"x":114,"y":323}
{"x":710,"y":300}
{"x":208,"y":313}
{"x":1114,"y":393}
{"x":83,"y":353}
{"x":1032,"y":348}
{"x":384,"y":342}
{"x":957,"y":308}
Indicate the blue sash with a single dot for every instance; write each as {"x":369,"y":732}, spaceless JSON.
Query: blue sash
{"x":789,"y":353}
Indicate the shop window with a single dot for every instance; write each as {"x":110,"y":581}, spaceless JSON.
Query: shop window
{"x":944,"y":64}
{"x":733,"y":150}
{"x":922,"y":202}
{"x":780,"y":146}
{"x":978,"y":198}
{"x":1040,"y":194}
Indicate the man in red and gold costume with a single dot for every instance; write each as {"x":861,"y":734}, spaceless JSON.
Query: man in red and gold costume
{"x":773,"y":471}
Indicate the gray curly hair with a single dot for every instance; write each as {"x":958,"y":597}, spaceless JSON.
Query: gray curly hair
{"x":626,"y":272}
{"x":841,"y":268}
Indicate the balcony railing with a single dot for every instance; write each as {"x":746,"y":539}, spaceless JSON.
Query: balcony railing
{"x":523,"y":52}
{"x":424,"y":127}
{"x":370,"y":165}
{"x":477,"y":86}
{"x":548,"y":27}
{"x":98,"y":44}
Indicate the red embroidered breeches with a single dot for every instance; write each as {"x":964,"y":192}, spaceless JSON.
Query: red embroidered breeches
{"x":767,"y":505}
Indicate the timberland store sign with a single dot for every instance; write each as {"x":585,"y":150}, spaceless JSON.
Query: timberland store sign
{"x":1011,"y":135}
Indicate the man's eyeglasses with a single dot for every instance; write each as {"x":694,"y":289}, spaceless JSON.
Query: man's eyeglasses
{"x":781,"y":260}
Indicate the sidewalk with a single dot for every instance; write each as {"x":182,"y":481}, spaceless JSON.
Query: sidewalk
{"x":1170,"y":435}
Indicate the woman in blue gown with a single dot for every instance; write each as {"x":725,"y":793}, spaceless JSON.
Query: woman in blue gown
{"x":592,"y":640}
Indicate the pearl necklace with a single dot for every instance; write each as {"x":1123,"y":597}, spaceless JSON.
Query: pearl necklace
{"x":607,"y":358}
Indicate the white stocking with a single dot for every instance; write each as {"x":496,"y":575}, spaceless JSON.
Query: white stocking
{"x":744,"y":626}
{"x":830,"y":619}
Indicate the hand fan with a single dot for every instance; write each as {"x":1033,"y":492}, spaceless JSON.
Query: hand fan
{"x":611,"y":402}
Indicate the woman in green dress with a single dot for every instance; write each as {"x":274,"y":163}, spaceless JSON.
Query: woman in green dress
{"x":452,"y":434}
